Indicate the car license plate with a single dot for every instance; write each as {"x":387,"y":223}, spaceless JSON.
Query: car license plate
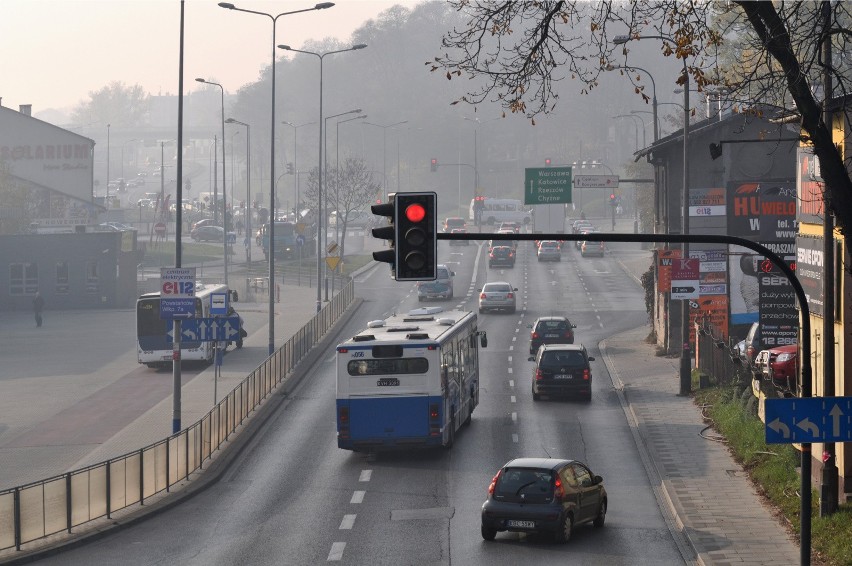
{"x":551,"y":335}
{"x":563,"y":376}
{"x":520,"y":524}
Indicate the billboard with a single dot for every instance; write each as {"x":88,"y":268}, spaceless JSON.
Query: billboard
{"x":809,"y":270}
{"x":46,"y":155}
{"x":809,"y":187}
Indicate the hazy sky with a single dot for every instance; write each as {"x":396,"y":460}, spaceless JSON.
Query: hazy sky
{"x":55,"y":52}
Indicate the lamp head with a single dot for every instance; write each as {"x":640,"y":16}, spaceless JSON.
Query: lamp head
{"x":230,"y":120}
{"x":323,"y":5}
{"x":200,"y":80}
{"x":359,"y":46}
{"x":620,"y":39}
{"x":227,"y":5}
{"x":285,"y":47}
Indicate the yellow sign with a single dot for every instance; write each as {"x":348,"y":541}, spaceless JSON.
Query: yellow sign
{"x":300,"y":227}
{"x":332,"y":262}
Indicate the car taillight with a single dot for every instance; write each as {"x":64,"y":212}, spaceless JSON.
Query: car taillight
{"x":482,"y":296}
{"x":343,"y":415}
{"x":535,"y":334}
{"x":510,"y":296}
{"x":569,"y":334}
{"x":586,"y":375}
{"x":558,"y":491}
{"x":511,"y":254}
{"x":494,"y":482}
{"x":538,"y":375}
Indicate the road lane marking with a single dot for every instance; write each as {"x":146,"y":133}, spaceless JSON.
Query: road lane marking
{"x":510,"y":370}
{"x":336,"y":552}
{"x":511,"y":383}
{"x":513,"y":399}
{"x":514,"y":417}
{"x":357,"y":497}
{"x":347,"y":523}
{"x":365,"y":475}
{"x":510,"y":359}
{"x":515,"y":438}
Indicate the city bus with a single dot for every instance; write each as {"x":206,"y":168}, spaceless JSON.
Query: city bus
{"x":152,"y":348}
{"x":409,"y":381}
{"x":497,"y":210}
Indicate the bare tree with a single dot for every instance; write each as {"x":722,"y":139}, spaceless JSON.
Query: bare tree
{"x":347,"y":191}
{"x":520,"y":50}
{"x":115,"y":103}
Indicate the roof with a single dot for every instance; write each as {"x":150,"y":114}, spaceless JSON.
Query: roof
{"x":544,"y":463}
{"x":563,"y":347}
{"x":558,"y":318}
{"x":430,"y":323}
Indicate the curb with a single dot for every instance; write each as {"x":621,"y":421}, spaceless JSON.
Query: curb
{"x":363,"y":269}
{"x":203,"y":478}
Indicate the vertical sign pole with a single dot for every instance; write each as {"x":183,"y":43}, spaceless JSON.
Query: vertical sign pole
{"x":176,"y":379}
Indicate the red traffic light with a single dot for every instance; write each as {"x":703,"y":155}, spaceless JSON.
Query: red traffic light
{"x":415,"y":212}
{"x":547,"y":161}
{"x":612,"y":197}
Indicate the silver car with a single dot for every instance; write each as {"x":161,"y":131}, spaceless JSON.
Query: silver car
{"x":548,"y":250}
{"x":496,"y":296}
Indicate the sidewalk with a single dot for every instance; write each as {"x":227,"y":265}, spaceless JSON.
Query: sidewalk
{"x":712,"y":501}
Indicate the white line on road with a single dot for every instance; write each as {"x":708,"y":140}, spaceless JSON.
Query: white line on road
{"x":515,"y":438}
{"x":336,"y":552}
{"x":358,"y":497}
{"x":514,"y":417}
{"x":510,"y":370}
{"x":513,"y":399}
{"x":365,"y":475}
{"x":510,"y":359}
{"x":347,"y":523}
{"x":511,"y":383}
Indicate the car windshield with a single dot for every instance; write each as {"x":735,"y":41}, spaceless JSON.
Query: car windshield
{"x":549,"y":244}
{"x":551,"y":325}
{"x":443,"y":274}
{"x":496,"y":288}
{"x":502,"y":250}
{"x":555,"y":360}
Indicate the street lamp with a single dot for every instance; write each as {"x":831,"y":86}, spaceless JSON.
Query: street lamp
{"x":122,"y":155}
{"x":320,"y":56}
{"x":224,"y":192}
{"x":106,"y":203}
{"x":685,"y":362}
{"x":271,"y":225}
{"x":635,"y":125}
{"x":653,"y":90}
{"x":248,"y":191}
{"x":384,"y":150}
{"x":295,"y":164}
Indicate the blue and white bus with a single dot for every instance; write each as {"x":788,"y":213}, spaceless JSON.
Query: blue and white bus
{"x":408,"y":381}
{"x":152,"y":347}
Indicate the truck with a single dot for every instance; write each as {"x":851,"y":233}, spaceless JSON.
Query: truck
{"x":287,"y":240}
{"x":548,"y":219}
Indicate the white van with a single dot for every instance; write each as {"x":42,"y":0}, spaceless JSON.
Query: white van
{"x":497,"y":210}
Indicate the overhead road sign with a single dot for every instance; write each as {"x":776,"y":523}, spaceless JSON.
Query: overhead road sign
{"x":808,"y":420}
{"x":214,"y":329}
{"x":596,"y":182}
{"x":547,"y":185}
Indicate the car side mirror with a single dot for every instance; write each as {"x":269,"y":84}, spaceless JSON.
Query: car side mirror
{"x":453,"y":273}
{"x":479,"y":290}
{"x":483,"y":340}
{"x":573,"y":326}
{"x":515,"y":288}
{"x":598,"y":480}
{"x":531,"y":359}
{"x":591,"y":358}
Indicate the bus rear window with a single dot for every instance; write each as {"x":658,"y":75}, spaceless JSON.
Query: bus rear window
{"x":399,"y":366}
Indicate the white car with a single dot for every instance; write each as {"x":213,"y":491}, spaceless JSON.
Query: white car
{"x":497,"y":295}
{"x":548,"y":250}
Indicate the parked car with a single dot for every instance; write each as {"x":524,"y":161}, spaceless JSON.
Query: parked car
{"x":115,"y":227}
{"x":208,"y":234}
{"x":203,"y":222}
{"x":548,"y":250}
{"x":578,"y":225}
{"x":551,"y":330}
{"x":781,"y":368}
{"x":752,"y":343}
{"x":497,"y":295}
{"x":459,"y":242}
{"x":562,"y":369}
{"x":501,"y":256}
{"x":454,"y":222}
{"x":543,"y":495}
{"x":440,"y":288}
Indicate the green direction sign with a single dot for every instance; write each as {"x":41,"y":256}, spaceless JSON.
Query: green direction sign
{"x":547,"y":185}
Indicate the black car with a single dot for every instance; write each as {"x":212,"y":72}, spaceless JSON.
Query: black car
{"x":501,"y":256}
{"x":551,"y":330}
{"x":562,"y":369}
{"x":543,"y":495}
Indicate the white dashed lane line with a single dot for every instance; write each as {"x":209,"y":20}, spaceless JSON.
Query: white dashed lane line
{"x":336,"y":552}
{"x":357,"y":497}
{"x":365,"y":475}
{"x":347,"y":523}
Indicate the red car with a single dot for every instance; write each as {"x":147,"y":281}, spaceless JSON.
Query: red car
{"x":782,"y":367}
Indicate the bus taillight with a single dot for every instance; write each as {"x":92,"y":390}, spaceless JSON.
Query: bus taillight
{"x":343,"y":415}
{"x":433,"y":411}
{"x":342,"y":350}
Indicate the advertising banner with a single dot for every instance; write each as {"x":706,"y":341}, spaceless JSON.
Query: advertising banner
{"x":809,"y":187}
{"x":809,"y":269}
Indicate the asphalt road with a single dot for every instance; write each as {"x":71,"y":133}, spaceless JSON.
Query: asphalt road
{"x":293,"y":497}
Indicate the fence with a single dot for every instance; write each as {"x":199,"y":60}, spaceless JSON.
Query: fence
{"x":48,"y":507}
{"x":719,"y":361}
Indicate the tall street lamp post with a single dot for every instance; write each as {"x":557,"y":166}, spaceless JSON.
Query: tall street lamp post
{"x":122,"y":156}
{"x":248,"y":192}
{"x":107,"y":179}
{"x":224,"y":192}
{"x":296,"y":166}
{"x":271,"y":224}
{"x":685,"y":357}
{"x":320,"y":228}
{"x":384,"y":151}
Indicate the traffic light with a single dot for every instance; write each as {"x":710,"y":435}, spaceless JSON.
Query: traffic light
{"x":411,"y":232}
{"x":386,"y":232}
{"x":416,"y":229}
{"x":547,"y":161}
{"x":434,"y":166}
{"x":612,"y":201}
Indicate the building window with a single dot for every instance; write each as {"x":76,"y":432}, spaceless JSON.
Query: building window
{"x":23,"y":278}
{"x":92,"y":277}
{"x":62,"y":285}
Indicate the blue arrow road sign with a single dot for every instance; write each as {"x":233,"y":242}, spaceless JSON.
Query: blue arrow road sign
{"x":808,"y":420}
{"x":206,"y":329}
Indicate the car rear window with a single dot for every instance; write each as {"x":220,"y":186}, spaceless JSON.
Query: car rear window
{"x":555,"y":360}
{"x":532,"y":483}
{"x":455,"y":222}
{"x":545,"y":325}
{"x":496,"y":288}
{"x":443,"y":274}
{"x":549,"y":244}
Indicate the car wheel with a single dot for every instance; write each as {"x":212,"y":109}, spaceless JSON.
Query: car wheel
{"x":239,"y":343}
{"x":564,"y":533}
{"x":536,"y":396}
{"x":601,"y":518}
{"x":481,"y":311}
{"x":488,"y":534}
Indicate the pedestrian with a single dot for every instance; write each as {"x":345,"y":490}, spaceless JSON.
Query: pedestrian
{"x":38,"y":307}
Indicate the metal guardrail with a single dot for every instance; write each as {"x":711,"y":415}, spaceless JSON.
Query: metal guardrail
{"x":719,"y":361}
{"x":37,"y":510}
